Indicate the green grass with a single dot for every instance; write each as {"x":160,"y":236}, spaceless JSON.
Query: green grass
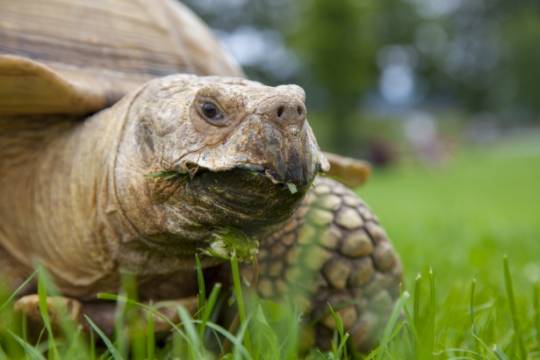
{"x":463,"y":299}
{"x":460,"y":220}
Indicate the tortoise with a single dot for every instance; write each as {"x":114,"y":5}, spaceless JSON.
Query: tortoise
{"x":130,"y":142}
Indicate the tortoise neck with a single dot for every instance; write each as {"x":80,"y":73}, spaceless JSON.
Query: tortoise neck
{"x":57,"y":200}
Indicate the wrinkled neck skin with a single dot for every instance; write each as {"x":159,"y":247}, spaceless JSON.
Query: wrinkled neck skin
{"x":58,"y":207}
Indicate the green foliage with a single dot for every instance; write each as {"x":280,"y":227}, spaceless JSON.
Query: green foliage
{"x":335,"y":39}
{"x":520,"y":35}
{"x":337,"y":43}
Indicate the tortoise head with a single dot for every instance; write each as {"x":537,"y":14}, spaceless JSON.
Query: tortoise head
{"x":220,"y":151}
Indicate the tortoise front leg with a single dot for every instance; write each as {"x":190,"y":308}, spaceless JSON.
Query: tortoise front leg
{"x":333,"y":251}
{"x":102,"y":313}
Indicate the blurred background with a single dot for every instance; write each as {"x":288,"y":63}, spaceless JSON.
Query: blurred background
{"x":394,"y":80}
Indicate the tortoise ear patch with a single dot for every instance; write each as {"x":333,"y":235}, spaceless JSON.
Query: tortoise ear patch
{"x":29,"y":87}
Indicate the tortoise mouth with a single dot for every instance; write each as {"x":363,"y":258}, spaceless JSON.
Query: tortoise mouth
{"x":245,"y":197}
{"x":246,"y":171}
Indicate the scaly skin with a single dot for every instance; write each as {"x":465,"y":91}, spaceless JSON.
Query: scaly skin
{"x":332,"y":251}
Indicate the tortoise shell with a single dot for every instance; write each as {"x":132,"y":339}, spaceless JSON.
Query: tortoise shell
{"x":76,"y":56}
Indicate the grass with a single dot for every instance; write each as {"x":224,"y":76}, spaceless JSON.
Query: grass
{"x":459,"y":222}
{"x":469,"y":238}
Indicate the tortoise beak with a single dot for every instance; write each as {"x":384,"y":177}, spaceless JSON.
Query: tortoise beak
{"x":296,"y":164}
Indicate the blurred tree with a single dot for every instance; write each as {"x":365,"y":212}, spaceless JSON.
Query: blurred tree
{"x":336,"y":41}
{"x":522,"y":38}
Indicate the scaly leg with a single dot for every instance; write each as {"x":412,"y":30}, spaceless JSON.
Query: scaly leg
{"x":102,"y":313}
{"x":333,"y":251}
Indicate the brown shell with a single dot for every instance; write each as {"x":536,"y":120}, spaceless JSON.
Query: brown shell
{"x":78,"y":56}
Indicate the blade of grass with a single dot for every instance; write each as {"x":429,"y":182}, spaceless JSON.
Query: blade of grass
{"x":432,"y":310}
{"x":92,"y":346}
{"x":432,"y":289}
{"x":120,"y":336}
{"x":487,"y":349}
{"x":340,"y":338}
{"x":29,"y":349}
{"x":536,"y":305}
{"x":500,"y":355}
{"x":417,"y":319}
{"x":14,"y":294}
{"x":241,"y":335}
{"x":209,"y":307}
{"x":110,"y":347}
{"x":391,"y":324}
{"x":513,"y":309}
{"x":3,"y":353}
{"x":237,"y":288}
{"x":236,"y":341}
{"x":416,"y":300}
{"x":200,"y":282}
{"x":24,"y":327}
{"x":150,"y":337}
{"x":201,"y":290}
{"x":44,"y":312}
{"x":152,"y":310}
{"x":194,"y":343}
{"x":471,"y":304}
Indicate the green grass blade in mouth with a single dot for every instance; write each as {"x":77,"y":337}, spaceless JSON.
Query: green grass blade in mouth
{"x":165,"y":175}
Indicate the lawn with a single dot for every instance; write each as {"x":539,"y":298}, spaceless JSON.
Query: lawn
{"x":461,"y":220}
{"x":453,"y":226}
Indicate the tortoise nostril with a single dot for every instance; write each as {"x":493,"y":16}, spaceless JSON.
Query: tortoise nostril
{"x":284,"y":111}
{"x":280,"y":111}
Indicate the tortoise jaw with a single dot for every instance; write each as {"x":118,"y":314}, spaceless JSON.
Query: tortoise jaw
{"x":258,"y":170}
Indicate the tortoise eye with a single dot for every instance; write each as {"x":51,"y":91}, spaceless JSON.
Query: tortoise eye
{"x":211,"y":111}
